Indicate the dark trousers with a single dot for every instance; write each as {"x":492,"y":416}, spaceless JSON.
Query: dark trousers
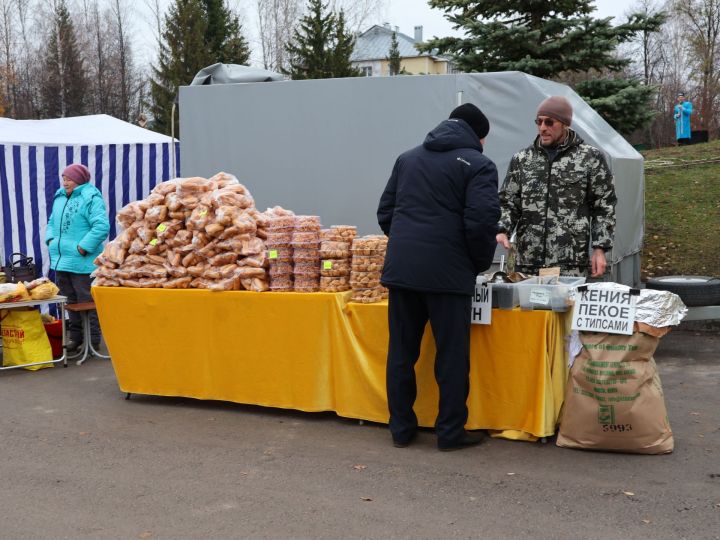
{"x":449,"y":316}
{"x":77,"y":289}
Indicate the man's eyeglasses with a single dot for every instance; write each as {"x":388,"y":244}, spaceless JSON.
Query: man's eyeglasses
{"x":549,"y":122}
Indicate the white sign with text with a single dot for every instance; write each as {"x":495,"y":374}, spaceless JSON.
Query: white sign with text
{"x":481,"y":310}
{"x":604,"y":310}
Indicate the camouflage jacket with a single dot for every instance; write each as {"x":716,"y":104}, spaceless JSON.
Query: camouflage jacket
{"x":558,"y":209}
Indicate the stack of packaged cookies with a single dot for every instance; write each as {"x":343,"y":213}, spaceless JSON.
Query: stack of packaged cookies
{"x":279,"y":235}
{"x":306,"y":253}
{"x":368,"y":257}
{"x":335,"y":257}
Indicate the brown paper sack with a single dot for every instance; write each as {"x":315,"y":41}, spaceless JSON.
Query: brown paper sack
{"x":614,"y":399}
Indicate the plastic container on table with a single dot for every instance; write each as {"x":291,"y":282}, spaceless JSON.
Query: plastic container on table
{"x":536,"y":293}
{"x":506,"y":295}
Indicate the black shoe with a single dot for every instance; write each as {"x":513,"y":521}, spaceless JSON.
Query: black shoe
{"x":404,"y":443}
{"x":465,"y":441}
{"x":73,"y":346}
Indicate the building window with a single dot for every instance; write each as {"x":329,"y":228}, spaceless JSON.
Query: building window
{"x":366,"y":71}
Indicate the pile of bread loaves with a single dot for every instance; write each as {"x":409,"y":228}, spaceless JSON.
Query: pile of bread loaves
{"x":189,"y":233}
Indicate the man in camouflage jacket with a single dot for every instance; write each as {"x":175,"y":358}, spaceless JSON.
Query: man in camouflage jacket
{"x":558,"y":196}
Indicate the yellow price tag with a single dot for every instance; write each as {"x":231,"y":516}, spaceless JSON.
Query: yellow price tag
{"x":162,"y":227}
{"x":154,"y":242}
{"x":327,"y":265}
{"x":202,"y":212}
{"x":272,"y":254}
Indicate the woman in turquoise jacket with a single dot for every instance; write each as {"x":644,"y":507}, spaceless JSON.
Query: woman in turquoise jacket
{"x":75,"y":233}
{"x":682,"y":113}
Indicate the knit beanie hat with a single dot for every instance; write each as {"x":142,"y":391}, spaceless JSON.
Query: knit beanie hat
{"x":556,"y":107}
{"x":78,"y":173}
{"x":474,"y":117}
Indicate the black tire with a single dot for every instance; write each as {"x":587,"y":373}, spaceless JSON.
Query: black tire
{"x":693,"y":290}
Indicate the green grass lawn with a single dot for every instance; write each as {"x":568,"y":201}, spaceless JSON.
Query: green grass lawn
{"x":682,"y":212}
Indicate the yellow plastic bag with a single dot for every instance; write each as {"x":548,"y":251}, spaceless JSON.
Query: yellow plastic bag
{"x":44,"y":291}
{"x":24,"y":339}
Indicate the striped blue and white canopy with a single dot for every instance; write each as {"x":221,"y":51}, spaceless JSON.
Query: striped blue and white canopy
{"x":125,"y":165}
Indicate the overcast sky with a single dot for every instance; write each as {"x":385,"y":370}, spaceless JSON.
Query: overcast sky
{"x":406,"y":14}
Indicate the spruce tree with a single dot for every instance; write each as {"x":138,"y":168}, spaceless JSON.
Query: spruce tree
{"x":321,"y":45}
{"x":65,"y":81}
{"x":223,"y":34}
{"x":341,"y":50}
{"x":541,"y":38}
{"x":182,"y":53}
{"x":393,"y":56}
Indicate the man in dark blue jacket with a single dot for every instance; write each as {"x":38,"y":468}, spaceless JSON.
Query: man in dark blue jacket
{"x":440,"y":211}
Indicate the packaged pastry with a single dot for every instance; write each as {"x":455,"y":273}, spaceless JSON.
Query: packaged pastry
{"x":334,"y":284}
{"x":255,"y":284}
{"x":330,"y":234}
{"x":367,"y":296}
{"x":306,"y":266}
{"x":279,"y":238}
{"x":252,"y":246}
{"x":105,"y":282}
{"x":362,"y":263}
{"x":258,"y":260}
{"x":334,"y":267}
{"x":165,"y":188}
{"x":334,"y":250}
{"x":281,"y":283}
{"x":223,"y":179}
{"x":178,"y":283}
{"x":346,"y":232}
{"x":312,"y":237}
{"x":307,"y":288}
{"x":306,"y":254}
{"x":307,"y":223}
{"x":364,"y":283}
{"x":156,"y":214}
{"x":373,"y":244}
{"x":194,"y":186}
{"x":314,"y":246}
{"x":280,"y":268}
{"x":307,"y":273}
{"x":281,"y":223}
{"x":281,"y":252}
{"x":222,"y":259}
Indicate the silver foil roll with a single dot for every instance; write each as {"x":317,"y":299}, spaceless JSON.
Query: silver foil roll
{"x":656,"y":308}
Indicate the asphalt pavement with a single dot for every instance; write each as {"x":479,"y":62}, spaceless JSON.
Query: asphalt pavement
{"x":78,"y":461}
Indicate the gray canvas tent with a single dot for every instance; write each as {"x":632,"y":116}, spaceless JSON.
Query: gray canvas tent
{"x":327,"y":146}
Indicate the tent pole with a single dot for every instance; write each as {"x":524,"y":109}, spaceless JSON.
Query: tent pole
{"x":172,"y":135}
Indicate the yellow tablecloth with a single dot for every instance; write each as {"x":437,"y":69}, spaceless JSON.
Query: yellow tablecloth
{"x":317,"y":352}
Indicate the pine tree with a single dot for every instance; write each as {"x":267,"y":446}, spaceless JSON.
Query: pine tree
{"x":540,"y":38}
{"x":321,"y":45}
{"x":223,"y":35}
{"x":393,"y":56}
{"x":182,"y":54}
{"x":65,"y":81}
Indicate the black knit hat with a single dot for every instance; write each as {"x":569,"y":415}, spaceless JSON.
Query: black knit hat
{"x":474,"y":117}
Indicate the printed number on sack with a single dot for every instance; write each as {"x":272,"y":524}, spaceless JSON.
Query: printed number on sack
{"x":619,"y":428}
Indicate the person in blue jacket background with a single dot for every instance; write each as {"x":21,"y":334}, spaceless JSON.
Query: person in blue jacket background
{"x":682,"y":113}
{"x":77,"y":227}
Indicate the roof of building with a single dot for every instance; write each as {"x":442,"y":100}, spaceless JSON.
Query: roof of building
{"x":374,"y":44}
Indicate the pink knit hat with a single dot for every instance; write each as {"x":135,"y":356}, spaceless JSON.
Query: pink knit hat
{"x":78,"y":173}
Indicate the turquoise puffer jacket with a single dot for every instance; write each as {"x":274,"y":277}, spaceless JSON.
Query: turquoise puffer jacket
{"x":79,"y":220}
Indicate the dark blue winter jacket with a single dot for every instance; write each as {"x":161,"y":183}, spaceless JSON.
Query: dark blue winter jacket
{"x":440,"y":211}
